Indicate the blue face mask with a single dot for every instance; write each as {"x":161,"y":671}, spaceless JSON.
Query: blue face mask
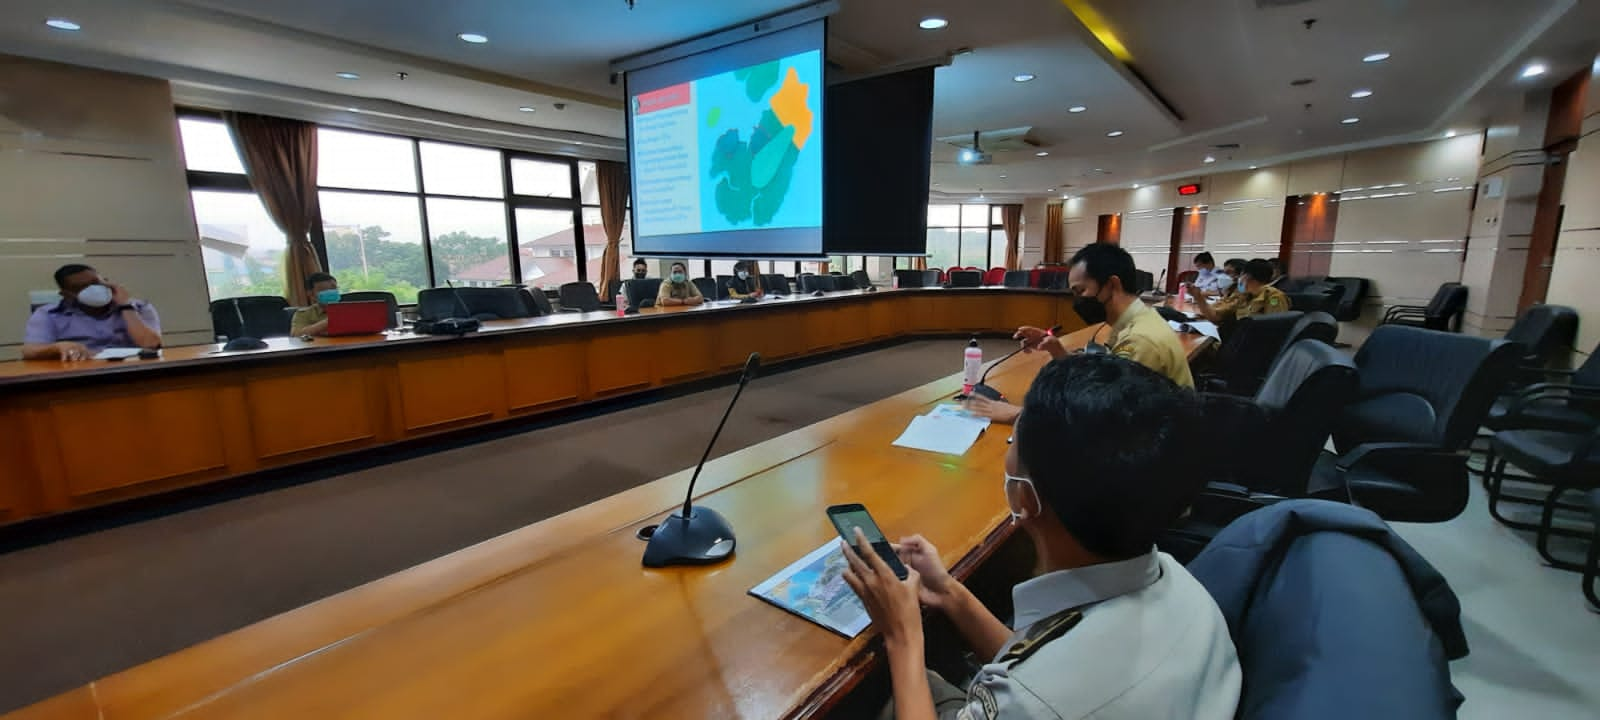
{"x":326,"y":297}
{"x":1241,"y":284}
{"x":677,"y":277}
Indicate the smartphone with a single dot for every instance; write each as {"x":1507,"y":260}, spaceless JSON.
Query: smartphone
{"x":846,"y":518}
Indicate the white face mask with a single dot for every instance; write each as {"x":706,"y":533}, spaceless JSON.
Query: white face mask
{"x":743,"y":275}
{"x":1016,"y":515}
{"x":95,"y":296}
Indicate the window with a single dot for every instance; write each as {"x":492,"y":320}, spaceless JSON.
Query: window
{"x":722,"y":267}
{"x":402,"y":214}
{"x":963,"y":235}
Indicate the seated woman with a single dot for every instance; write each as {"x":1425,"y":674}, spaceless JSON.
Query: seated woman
{"x":677,"y":290}
{"x":745,"y":282}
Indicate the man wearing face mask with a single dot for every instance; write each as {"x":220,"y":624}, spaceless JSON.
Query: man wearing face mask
{"x":1255,"y":297}
{"x":1111,"y":627}
{"x":314,"y":320}
{"x":641,"y":269}
{"x":677,"y":290}
{"x":744,"y":283}
{"x":92,"y":315}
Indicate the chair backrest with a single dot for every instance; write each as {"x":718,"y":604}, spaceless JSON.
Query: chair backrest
{"x":966,"y":279}
{"x":908,"y":278}
{"x":952,"y":268}
{"x":1056,"y":279}
{"x":775,"y":284}
{"x":1251,"y":348}
{"x":1426,"y":386}
{"x":641,"y":293}
{"x":1147,"y":280}
{"x":264,"y":316}
{"x":861,"y":279}
{"x":1353,"y":298}
{"x":826,"y":283}
{"x":843,"y":282}
{"x":932,"y":278}
{"x":706,"y":286}
{"x":1446,"y":307}
{"x":1543,"y":331}
{"x":1188,"y":276}
{"x":580,"y":296}
{"x":490,"y":303}
{"x":384,"y":297}
{"x":1303,"y":397}
{"x":995,"y":276}
{"x":613,"y":289}
{"x":534,"y":299}
{"x":722,"y":287}
{"x":1017,"y":278}
{"x":1340,"y":604}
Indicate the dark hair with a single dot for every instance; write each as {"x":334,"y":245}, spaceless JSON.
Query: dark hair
{"x":741,"y":265}
{"x":679,"y":264}
{"x":1103,"y":261}
{"x":1277,"y":265}
{"x":66,"y":271}
{"x":1105,"y":441}
{"x":1261,"y":270}
{"x":1206,"y":258}
{"x":319,"y":277}
{"x":1237,"y":264}
{"x":640,"y":261}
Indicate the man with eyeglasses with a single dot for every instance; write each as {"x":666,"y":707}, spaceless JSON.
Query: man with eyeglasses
{"x":1111,"y":627}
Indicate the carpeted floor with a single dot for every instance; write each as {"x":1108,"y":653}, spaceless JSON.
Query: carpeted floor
{"x":83,"y":607}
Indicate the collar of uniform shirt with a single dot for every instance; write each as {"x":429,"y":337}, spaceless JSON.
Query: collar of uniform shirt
{"x":1128,"y":316}
{"x":1051,"y":593}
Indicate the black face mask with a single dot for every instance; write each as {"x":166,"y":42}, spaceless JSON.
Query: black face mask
{"x":1090,"y":309}
{"x":638,"y":274}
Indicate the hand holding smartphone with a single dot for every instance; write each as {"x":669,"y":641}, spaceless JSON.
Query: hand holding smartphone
{"x":846,"y":518}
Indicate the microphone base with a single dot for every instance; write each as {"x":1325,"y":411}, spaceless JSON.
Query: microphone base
{"x":700,"y":539}
{"x":984,"y":391}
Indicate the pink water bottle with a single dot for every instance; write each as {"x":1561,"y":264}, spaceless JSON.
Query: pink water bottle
{"x":622,"y":304}
{"x":971,"y":366}
{"x":895,"y":283}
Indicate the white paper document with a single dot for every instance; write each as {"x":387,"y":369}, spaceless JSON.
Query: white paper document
{"x":116,"y":353}
{"x":953,"y":411}
{"x":813,"y":587}
{"x":947,"y":435}
{"x":1203,"y":327}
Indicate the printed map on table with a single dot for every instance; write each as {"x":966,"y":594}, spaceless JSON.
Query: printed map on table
{"x":813,"y":587}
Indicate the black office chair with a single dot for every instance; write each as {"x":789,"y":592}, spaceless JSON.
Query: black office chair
{"x":966,"y":279}
{"x":1562,"y":407}
{"x":775,"y":285}
{"x":1017,"y":278}
{"x":490,"y":303}
{"x":642,"y":293}
{"x":1247,"y":353}
{"x":706,"y":286}
{"x":1402,"y":445}
{"x":1317,"y":295}
{"x":1443,"y":312}
{"x":909,"y":278}
{"x":722,"y":288}
{"x":930,"y":278}
{"x":377,"y":296}
{"x":1544,"y":332}
{"x":1147,"y":281}
{"x":861,"y":279}
{"x":257,"y":316}
{"x":613,"y":289}
{"x":534,"y":300}
{"x":578,"y":297}
{"x":1353,"y":299}
{"x":843,"y":282}
{"x":825,"y":283}
{"x":1318,"y":326}
{"x":1591,"y":565}
{"x":1562,"y":461}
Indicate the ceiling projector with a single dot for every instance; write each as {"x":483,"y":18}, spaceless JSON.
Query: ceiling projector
{"x":975,"y":154}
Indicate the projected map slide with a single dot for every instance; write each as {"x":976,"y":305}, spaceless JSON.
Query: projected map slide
{"x":741,"y":150}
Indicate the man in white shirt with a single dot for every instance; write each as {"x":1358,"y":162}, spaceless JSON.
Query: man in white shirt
{"x":1111,"y":628}
{"x":1210,"y":279}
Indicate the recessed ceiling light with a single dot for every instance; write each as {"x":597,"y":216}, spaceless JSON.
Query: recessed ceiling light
{"x":1042,"y":153}
{"x":1049,"y":189}
{"x":1350,"y":121}
{"x":1114,"y":133}
{"x":1024,"y":77}
{"x":933,"y":23}
{"x":474,"y":38}
{"x":1362,"y":93}
{"x":354,"y":110}
{"x":1002,"y":177}
{"x":347,"y":76}
{"x":1376,"y":57}
{"x":63,"y":24}
{"x":1532,"y":70}
{"x":1076,"y":109}
{"x":1136,"y":186}
{"x":1210,"y":159}
{"x":1450,"y":134}
{"x":527,"y":108}
{"x":1252,"y":167}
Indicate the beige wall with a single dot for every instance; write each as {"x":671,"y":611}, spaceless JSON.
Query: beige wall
{"x":1577,"y":263}
{"x":92,"y":173}
{"x":1244,"y":213}
{"x":1033,"y":229}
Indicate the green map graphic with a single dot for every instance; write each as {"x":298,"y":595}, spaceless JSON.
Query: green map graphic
{"x":754,"y":175}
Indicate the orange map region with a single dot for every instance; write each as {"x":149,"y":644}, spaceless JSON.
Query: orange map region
{"x":789,"y":104}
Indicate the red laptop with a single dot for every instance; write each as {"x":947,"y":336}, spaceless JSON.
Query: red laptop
{"x":357,"y":318}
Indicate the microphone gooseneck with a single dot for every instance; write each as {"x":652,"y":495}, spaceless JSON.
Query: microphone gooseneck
{"x":751,"y":365}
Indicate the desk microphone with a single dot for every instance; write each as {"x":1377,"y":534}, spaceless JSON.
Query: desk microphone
{"x":243,"y":341}
{"x":697,"y":535}
{"x":451,"y":325}
{"x":982,"y":389}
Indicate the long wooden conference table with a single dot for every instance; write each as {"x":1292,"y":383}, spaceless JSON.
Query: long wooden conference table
{"x":559,"y":619}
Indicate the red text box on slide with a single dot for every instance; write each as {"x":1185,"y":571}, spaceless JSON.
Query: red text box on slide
{"x":663,"y":99}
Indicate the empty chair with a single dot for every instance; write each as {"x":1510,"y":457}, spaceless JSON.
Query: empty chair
{"x":1563,"y":462}
{"x":534,"y":299}
{"x":579,"y":297}
{"x":1402,"y":442}
{"x":827,"y":283}
{"x":1248,"y":353}
{"x":1443,"y":312}
{"x":491,"y":303}
{"x":1543,"y":331}
{"x":1333,"y":616}
{"x":641,"y":293}
{"x":952,"y":268}
{"x":908,"y":278}
{"x":932,"y":278}
{"x":1353,"y":299}
{"x":966,"y":279}
{"x":1188,"y":276}
{"x":384,"y":297}
{"x":1316,"y":295}
{"x":1318,"y":326}
{"x":722,"y":287}
{"x":861,"y":280}
{"x":775,"y":285}
{"x":995,"y":276}
{"x":843,"y":282}
{"x":1017,"y":278}
{"x":1571,"y":406}
{"x":706,"y":286}
{"x":257,"y":316}
{"x":1147,"y":281}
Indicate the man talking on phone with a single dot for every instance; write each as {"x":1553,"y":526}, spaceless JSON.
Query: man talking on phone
{"x":1111,"y":628}
{"x":92,"y":315}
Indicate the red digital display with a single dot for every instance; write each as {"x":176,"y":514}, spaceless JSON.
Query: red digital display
{"x":1190,"y":189}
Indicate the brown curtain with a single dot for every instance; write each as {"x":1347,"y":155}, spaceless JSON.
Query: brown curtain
{"x":1011,"y":220}
{"x":1053,"y":226}
{"x":612,"y":179}
{"x":280,"y":158}
{"x":919,"y":263}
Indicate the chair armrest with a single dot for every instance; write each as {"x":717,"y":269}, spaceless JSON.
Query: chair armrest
{"x":1361,"y":453}
{"x":1398,"y":311}
{"x":1546,"y":392}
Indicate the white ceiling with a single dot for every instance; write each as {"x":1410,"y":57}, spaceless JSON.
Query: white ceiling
{"x":1223,"y":65}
